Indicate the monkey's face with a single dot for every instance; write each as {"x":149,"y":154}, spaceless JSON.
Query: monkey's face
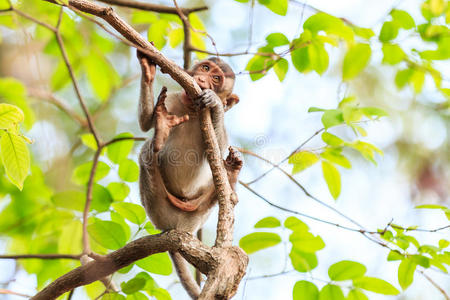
{"x":208,"y":75}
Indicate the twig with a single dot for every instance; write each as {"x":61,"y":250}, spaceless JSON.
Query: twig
{"x":437,"y":286}
{"x":273,"y":55}
{"x":153,"y":7}
{"x":287,"y":157}
{"x":76,"y":88}
{"x":187,"y":36}
{"x":9,"y":292}
{"x":50,"y":98}
{"x":41,"y":256}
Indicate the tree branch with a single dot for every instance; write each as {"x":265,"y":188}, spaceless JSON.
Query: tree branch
{"x":153,"y":7}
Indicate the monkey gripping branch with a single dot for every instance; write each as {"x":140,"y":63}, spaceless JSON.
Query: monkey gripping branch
{"x":223,"y":264}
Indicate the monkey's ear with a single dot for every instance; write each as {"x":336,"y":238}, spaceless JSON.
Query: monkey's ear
{"x":231,"y":100}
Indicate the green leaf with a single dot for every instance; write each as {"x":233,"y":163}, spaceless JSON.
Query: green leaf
{"x":158,"y":263}
{"x":133,"y":285}
{"x":119,"y":150}
{"x":277,"y":6}
{"x":331,"y":139}
{"x":277,"y":39}
{"x":371,"y":112}
{"x":258,"y":240}
{"x":132,"y":212}
{"x":143,"y":17}
{"x":331,"y":292}
{"x":73,"y":200}
{"x":330,"y":24}
{"x":128,"y":170}
{"x":332,"y":118}
{"x":443,"y":243}
{"x":336,"y":157}
{"x":393,"y":54}
{"x":157,"y":33}
{"x":281,"y":68}
{"x":306,"y":242}
{"x":375,"y":285}
{"x":10,"y":115}
{"x":295,"y":224}
{"x":365,"y":33}
{"x":302,"y":160}
{"x":82,"y":172}
{"x":345,"y":270}
{"x":117,"y":218}
{"x":406,"y":273}
{"x":15,"y":158}
{"x":268,"y":222}
{"x":395,"y":255}
{"x":356,"y":60}
{"x":176,"y":36}
{"x":101,"y":75}
{"x":332,"y":178}
{"x":389,"y":31}
{"x":88,"y":140}
{"x":300,"y":59}
{"x":113,"y":296}
{"x":402,"y":77}
{"x":137,"y":296}
{"x":305,"y":290}
{"x":356,"y":295}
{"x":303,"y":261}
{"x":101,"y":198}
{"x":430,"y":206}
{"x":258,"y":66}
{"x":118,"y":190}
{"x":318,"y":57}
{"x":70,"y":239}
{"x":403,"y":19}
{"x":107,"y":233}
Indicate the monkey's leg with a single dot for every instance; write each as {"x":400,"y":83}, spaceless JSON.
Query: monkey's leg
{"x":186,"y":279}
{"x":145,"y":109}
{"x":233,"y":165}
{"x":164,"y":121}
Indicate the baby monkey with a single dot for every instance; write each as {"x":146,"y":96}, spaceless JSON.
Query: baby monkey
{"x":176,"y":183}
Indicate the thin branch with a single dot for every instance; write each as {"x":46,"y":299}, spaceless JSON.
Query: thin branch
{"x":115,"y":140}
{"x":420,"y":229}
{"x":87,"y":205}
{"x":153,"y":7}
{"x":187,"y":36}
{"x":9,"y":292}
{"x":273,"y":55}
{"x":437,"y":286}
{"x":26,"y":16}
{"x":76,"y":87}
{"x":271,"y":275}
{"x":287,"y":157}
{"x":41,"y":256}
{"x":50,"y":98}
{"x":302,"y":187}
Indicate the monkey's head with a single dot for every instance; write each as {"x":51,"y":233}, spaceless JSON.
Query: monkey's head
{"x":215,"y":74}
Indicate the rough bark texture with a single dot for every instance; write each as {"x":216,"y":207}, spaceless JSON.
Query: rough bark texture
{"x":223,"y":264}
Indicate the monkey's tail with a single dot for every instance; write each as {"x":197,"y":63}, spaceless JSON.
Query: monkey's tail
{"x":186,"y":278}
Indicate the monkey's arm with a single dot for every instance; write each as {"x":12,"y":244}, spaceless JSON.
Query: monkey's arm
{"x":145,"y":109}
{"x":208,"y":98}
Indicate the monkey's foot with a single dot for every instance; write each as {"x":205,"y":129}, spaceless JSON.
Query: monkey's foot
{"x":233,"y":163}
{"x":147,"y":65}
{"x":165,"y":121}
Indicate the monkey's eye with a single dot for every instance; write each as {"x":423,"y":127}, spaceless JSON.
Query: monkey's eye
{"x":216,"y":77}
{"x":205,"y":67}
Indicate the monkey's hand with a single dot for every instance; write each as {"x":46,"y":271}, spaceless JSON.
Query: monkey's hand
{"x":164,"y":121}
{"x":207,"y":99}
{"x":233,"y":165}
{"x":148,"y":67}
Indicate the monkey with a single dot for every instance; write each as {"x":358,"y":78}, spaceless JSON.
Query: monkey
{"x":175,"y":181}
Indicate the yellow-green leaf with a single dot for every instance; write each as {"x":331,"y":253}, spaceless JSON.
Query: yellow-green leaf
{"x":302,"y":160}
{"x":332,"y":178}
{"x":406,"y":272}
{"x":258,"y":240}
{"x":356,"y":60}
{"x":10,"y":115}
{"x":15,"y":158}
{"x":305,"y":290}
